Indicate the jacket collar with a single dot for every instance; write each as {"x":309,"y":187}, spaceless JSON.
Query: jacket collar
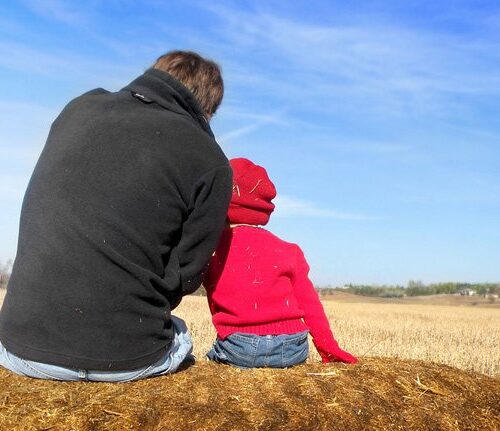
{"x":156,"y":86}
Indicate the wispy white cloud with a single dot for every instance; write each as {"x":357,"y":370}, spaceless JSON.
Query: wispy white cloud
{"x":21,"y":57}
{"x":58,"y":10}
{"x":369,"y":147}
{"x":257,"y":121}
{"x":64,"y":65}
{"x":60,"y":63}
{"x":288,"y":206}
{"x":238,"y":111}
{"x":85,"y":18}
{"x":240,"y":131}
{"x":383,"y":67}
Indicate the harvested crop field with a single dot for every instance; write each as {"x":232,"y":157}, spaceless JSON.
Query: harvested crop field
{"x":377,"y":394}
{"x":466,"y":337}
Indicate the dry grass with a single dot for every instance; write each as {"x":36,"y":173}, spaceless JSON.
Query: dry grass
{"x":464,"y":337}
{"x":377,"y":394}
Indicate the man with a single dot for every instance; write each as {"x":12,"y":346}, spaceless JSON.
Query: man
{"x":124,"y":209}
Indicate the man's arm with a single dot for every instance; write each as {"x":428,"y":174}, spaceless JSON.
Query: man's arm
{"x":201,"y":231}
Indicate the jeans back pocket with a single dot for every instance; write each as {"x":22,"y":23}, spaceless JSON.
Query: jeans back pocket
{"x":240,"y":349}
{"x":295,"y":349}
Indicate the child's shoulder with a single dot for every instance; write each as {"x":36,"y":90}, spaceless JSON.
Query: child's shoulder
{"x":262,"y":234}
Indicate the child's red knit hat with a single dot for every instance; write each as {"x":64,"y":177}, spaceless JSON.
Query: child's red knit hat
{"x":253,"y":192}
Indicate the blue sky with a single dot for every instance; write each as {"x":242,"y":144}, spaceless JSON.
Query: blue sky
{"x":378,"y":122}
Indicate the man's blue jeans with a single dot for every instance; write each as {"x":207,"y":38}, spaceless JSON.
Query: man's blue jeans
{"x":180,"y":349}
{"x":256,"y":351}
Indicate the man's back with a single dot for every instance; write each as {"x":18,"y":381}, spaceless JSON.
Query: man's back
{"x":108,"y":243}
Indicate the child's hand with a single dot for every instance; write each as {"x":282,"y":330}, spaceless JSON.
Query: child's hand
{"x":339,"y":355}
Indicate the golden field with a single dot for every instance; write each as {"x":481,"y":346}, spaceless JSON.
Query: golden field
{"x":466,"y":337}
{"x":447,"y":330}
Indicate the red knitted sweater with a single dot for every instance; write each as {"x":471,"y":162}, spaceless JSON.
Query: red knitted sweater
{"x":257,"y":283}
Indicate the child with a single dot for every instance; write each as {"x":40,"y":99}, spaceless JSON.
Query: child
{"x":262,"y":302}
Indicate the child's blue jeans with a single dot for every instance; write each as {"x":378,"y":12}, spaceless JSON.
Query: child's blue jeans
{"x":179,"y":350}
{"x":256,"y":351}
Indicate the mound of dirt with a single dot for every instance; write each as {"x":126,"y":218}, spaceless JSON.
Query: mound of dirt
{"x":377,"y":394}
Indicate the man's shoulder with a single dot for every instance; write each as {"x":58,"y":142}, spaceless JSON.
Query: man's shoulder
{"x":84,"y":97}
{"x":95,"y":92}
{"x":89,"y":95}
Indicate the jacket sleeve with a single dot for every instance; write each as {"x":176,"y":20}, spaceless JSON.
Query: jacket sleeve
{"x":201,"y":231}
{"x":314,"y":315}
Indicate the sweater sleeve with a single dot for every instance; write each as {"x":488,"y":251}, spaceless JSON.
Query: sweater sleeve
{"x":314,"y":314}
{"x":202,"y":229}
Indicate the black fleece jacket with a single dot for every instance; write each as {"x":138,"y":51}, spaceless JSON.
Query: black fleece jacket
{"x":124,"y":208}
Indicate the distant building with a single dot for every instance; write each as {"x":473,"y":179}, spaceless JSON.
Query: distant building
{"x":467,"y":292}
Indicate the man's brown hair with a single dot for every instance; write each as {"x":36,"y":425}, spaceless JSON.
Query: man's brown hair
{"x":201,"y":76}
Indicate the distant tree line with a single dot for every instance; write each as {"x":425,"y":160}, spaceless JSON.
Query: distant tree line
{"x":414,"y":288}
{"x":5,"y":273}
